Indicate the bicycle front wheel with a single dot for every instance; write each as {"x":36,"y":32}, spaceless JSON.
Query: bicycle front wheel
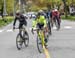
{"x":26,"y":39}
{"x":19,"y":42}
{"x":39,"y":45}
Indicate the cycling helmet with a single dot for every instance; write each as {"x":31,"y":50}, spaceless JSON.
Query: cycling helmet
{"x":55,"y":10}
{"x":18,"y":12}
{"x":40,"y":11}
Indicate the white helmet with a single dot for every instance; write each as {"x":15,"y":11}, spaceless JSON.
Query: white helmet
{"x":18,"y":12}
{"x":55,"y":10}
{"x":40,"y":11}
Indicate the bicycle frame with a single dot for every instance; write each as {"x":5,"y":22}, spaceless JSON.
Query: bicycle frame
{"x":21,"y":30}
{"x":22,"y":38}
{"x":41,"y":36}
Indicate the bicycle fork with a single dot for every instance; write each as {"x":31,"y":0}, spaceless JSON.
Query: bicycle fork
{"x":42,"y":38}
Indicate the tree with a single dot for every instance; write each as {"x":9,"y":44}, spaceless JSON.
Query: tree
{"x":10,"y":5}
{"x":1,"y":6}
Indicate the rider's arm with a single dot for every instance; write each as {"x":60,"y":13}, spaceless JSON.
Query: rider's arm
{"x":14,"y":21}
{"x":33,"y":23}
{"x":24,"y":19}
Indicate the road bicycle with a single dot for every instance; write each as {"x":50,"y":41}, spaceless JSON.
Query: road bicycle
{"x":41,"y":36}
{"x":22,"y":37}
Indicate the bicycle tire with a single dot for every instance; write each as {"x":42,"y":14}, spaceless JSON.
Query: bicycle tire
{"x":19,"y":43}
{"x":26,"y":39}
{"x":39,"y":45}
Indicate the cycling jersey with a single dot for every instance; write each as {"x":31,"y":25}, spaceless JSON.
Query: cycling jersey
{"x":40,"y":21}
{"x":21,"y":20}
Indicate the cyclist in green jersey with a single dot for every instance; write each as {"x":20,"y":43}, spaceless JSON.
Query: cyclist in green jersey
{"x":40,"y":22}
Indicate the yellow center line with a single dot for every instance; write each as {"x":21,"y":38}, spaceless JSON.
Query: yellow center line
{"x":46,"y":52}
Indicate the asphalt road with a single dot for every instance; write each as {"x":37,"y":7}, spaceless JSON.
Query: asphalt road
{"x":61,"y":43}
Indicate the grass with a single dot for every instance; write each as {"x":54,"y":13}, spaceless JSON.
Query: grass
{"x":71,"y":18}
{"x":6,"y":21}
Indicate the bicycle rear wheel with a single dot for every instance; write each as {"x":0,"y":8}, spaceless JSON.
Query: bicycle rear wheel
{"x":26,"y":39}
{"x":19,"y":42}
{"x":39,"y":45}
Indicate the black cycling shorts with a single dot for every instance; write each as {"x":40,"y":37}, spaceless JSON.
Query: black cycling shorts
{"x":40,"y":25}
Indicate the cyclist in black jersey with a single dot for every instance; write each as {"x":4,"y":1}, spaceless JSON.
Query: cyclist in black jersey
{"x":21,"y":19}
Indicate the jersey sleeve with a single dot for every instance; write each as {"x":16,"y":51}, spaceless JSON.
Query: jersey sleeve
{"x":14,"y":21}
{"x":33,"y":23}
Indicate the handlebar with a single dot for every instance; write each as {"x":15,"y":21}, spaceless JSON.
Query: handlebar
{"x":20,"y":29}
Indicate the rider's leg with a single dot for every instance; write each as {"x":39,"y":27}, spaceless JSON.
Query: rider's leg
{"x":49,"y":26}
{"x":45,"y":37}
{"x":40,"y":26}
{"x":58,"y":20}
{"x":52,"y":22}
{"x":20,"y":31}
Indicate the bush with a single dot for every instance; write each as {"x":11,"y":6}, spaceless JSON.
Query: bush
{"x":72,"y":18}
{"x":6,"y":21}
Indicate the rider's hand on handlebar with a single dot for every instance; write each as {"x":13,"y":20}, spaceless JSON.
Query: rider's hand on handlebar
{"x":13,"y":27}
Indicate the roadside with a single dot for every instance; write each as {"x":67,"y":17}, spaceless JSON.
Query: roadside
{"x":7,"y":21}
{"x":71,"y":18}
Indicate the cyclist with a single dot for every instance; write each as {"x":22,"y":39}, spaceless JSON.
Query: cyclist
{"x":56,"y":14}
{"x":46,"y":14}
{"x":49,"y":21}
{"x":40,"y":21}
{"x":21,"y":20}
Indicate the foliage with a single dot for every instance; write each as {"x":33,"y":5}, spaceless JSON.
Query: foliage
{"x":37,"y":3}
{"x":10,"y":5}
{"x":0,"y":4}
{"x":8,"y":20}
{"x":71,"y":18}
